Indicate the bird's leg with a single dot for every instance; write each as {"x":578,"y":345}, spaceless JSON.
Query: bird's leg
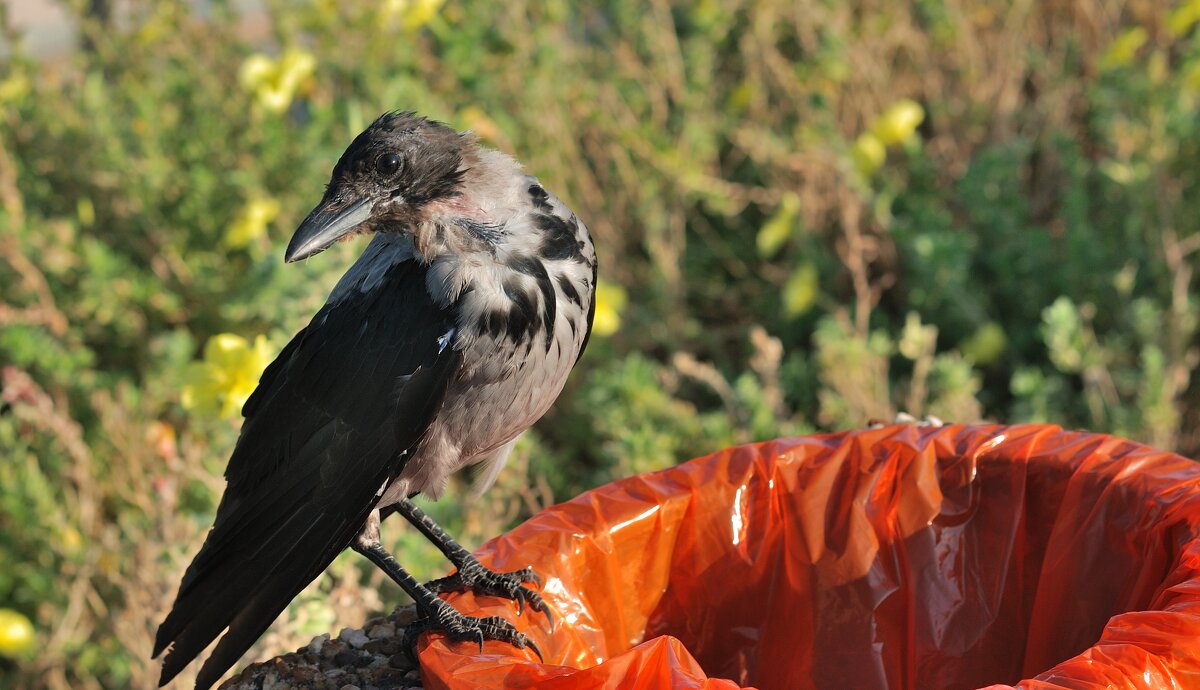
{"x":472,"y":574}
{"x":432,"y":612}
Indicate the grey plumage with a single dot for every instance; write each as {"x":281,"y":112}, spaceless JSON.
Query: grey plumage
{"x":451,"y":334}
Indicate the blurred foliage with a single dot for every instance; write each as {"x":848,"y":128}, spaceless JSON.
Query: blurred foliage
{"x":808,"y":215}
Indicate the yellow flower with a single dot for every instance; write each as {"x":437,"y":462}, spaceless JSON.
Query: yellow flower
{"x":413,"y":14}
{"x":228,"y":374}
{"x":1182,"y":18}
{"x":1123,"y":49}
{"x":70,"y":539}
{"x":256,"y":70}
{"x":275,"y":82}
{"x":16,"y":634}
{"x":610,"y":300}
{"x":898,"y":122}
{"x":868,"y":153}
{"x":251,"y":222}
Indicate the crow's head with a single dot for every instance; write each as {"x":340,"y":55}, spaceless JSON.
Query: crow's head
{"x":390,"y":172}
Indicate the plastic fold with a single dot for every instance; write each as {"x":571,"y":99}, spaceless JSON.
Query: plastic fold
{"x":903,"y":558}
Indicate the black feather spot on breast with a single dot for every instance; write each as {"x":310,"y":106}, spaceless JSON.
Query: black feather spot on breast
{"x":560,"y":242}
{"x":539,"y":197}
{"x":535,"y":269}
{"x":526,"y":265}
{"x":494,"y":324}
{"x":523,"y":320}
{"x":568,"y":290}
{"x":549,"y":305}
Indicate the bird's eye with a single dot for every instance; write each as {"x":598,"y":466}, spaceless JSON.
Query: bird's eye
{"x":388,"y":164}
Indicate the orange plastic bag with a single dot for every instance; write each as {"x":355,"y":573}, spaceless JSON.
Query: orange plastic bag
{"x":901,"y":558}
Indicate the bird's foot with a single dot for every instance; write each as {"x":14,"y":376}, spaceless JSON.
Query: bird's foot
{"x":482,"y":580}
{"x":444,"y":618}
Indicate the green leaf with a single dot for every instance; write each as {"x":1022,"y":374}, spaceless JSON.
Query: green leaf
{"x":801,"y":289}
{"x":916,"y":339}
{"x":778,"y":228}
{"x":986,"y":344}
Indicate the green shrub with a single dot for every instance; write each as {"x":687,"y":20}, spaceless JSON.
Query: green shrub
{"x":817,"y":214}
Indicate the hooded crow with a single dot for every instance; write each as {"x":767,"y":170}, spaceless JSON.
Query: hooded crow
{"x":451,"y":335}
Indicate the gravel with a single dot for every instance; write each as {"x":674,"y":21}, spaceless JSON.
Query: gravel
{"x":370,"y":658}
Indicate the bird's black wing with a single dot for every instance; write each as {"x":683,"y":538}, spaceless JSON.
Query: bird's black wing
{"x":329,"y":424}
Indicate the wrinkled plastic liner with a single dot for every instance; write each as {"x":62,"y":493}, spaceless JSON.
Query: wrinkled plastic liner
{"x":901,"y":558}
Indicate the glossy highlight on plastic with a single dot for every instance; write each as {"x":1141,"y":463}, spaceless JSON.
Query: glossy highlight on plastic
{"x":900,"y":558}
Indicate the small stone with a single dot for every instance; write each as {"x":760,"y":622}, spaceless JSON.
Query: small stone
{"x":381,"y":630}
{"x":361,"y":660}
{"x":317,"y":643}
{"x":334,"y":673}
{"x":404,"y":616}
{"x":377,"y":662}
{"x":391,"y":678}
{"x":348,"y":686}
{"x":346,"y":657}
{"x":385,"y":647}
{"x":374,"y":647}
{"x":353,"y":637}
{"x":290,"y":660}
{"x":400,"y":660}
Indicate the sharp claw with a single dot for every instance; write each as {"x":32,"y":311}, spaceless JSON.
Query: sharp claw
{"x":536,"y":578}
{"x":533,"y":645}
{"x":509,"y":585}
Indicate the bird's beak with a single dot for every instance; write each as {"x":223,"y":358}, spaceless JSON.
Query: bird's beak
{"x":324,"y":226}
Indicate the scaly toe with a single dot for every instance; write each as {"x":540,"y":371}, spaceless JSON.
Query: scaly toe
{"x":485,"y":581}
{"x":460,"y":628}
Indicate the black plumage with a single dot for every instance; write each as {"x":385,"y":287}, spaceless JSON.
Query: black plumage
{"x":560,"y":240}
{"x":539,"y":197}
{"x":569,"y":291}
{"x":326,"y":428}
